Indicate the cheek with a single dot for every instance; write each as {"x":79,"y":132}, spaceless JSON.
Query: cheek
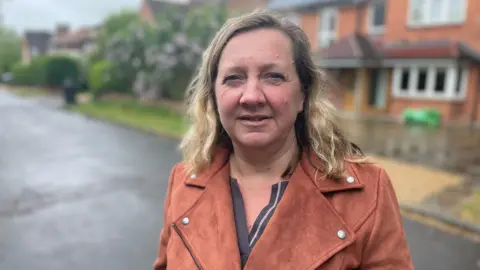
{"x":226,"y":101}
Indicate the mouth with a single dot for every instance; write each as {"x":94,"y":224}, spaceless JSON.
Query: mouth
{"x":253,"y":118}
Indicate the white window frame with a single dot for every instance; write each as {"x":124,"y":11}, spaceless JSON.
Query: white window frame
{"x":449,"y":92}
{"x":325,"y":35}
{"x":373,"y":29}
{"x":437,"y":19}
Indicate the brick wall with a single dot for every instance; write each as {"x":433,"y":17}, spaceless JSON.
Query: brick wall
{"x":146,"y":13}
{"x":398,"y":29}
{"x":243,"y":6}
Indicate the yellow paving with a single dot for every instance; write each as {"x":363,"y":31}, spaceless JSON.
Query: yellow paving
{"x":413,"y":183}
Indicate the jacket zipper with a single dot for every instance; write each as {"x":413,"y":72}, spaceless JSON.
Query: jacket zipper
{"x":177,"y":230}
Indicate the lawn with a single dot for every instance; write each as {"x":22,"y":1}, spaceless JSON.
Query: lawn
{"x":152,"y":118}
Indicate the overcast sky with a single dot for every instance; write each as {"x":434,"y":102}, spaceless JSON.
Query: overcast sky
{"x":44,"y":14}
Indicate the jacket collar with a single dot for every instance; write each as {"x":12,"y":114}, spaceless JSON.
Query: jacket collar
{"x":309,"y":162}
{"x":307,"y":222}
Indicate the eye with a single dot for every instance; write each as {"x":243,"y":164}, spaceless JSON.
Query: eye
{"x":275,"y":78}
{"x":232,"y":80}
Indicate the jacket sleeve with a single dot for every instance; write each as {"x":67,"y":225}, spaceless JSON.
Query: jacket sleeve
{"x":386,"y":247}
{"x":161,"y":260}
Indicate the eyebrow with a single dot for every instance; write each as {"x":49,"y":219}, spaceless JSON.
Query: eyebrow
{"x":241,"y":68}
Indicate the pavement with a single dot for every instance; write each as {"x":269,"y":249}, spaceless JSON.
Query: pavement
{"x":82,"y":194}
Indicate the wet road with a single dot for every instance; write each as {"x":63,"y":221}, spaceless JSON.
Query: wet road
{"x":80,"y":194}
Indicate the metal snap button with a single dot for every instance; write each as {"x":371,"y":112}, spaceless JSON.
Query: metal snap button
{"x":193,"y":176}
{"x":185,"y":220}
{"x":350,"y":179}
{"x":342,"y":234}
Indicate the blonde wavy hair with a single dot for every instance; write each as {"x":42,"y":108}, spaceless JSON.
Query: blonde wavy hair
{"x":315,"y":127}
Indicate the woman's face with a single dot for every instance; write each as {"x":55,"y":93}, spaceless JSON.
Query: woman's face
{"x":257,"y":88}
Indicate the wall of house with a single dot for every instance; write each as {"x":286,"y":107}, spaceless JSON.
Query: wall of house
{"x":309,"y":22}
{"x":26,"y":58}
{"x":146,"y":13}
{"x":243,"y":6}
{"x":398,"y":29}
{"x":398,"y":105}
{"x":472,"y":97}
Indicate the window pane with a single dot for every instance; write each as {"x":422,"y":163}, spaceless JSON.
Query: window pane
{"x":405,"y":80}
{"x":417,"y":11}
{"x":456,"y":10}
{"x":440,"y":79}
{"x":422,"y":80}
{"x":379,"y":14}
{"x":437,"y":9}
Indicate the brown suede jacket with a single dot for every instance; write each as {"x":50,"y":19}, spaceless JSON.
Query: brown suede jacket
{"x":353,"y":223}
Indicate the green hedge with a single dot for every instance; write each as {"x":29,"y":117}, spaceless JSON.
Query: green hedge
{"x":100,"y":78}
{"x":47,"y":71}
{"x":59,"y":68}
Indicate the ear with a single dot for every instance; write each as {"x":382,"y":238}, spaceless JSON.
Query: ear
{"x":301,"y":102}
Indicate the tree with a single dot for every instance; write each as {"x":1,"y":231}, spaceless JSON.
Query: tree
{"x":10,"y":49}
{"x":114,"y":25}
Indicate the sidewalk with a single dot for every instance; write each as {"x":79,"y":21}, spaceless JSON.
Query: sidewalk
{"x":414,"y":183}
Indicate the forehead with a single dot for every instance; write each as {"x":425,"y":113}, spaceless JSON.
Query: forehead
{"x":259,"y":46}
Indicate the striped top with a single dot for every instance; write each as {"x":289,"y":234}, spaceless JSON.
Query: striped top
{"x":246,"y":241}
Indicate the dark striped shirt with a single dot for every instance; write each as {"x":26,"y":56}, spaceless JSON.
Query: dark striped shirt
{"x":246,"y":240}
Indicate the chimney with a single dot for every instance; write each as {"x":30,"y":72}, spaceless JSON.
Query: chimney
{"x":61,"y":29}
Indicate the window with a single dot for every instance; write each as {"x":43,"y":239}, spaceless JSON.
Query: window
{"x":405,"y":81}
{"x":376,"y":17}
{"x":34,"y":51}
{"x":440,"y":79}
{"x":436,"y":12}
{"x":294,"y":18}
{"x":447,"y":81}
{"x":422,"y":79}
{"x":328,"y":27}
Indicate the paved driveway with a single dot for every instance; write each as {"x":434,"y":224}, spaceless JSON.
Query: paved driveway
{"x":80,"y":194}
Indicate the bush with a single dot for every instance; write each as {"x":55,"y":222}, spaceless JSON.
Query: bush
{"x":100,"y":78}
{"x":59,"y":68}
{"x":30,"y":74}
{"x":47,"y":71}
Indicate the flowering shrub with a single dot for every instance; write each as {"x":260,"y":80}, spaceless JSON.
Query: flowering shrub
{"x":159,"y":61}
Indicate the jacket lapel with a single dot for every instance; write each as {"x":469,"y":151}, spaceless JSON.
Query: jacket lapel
{"x":210,"y":234}
{"x":305,"y":230}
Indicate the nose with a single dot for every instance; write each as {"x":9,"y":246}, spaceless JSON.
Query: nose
{"x":252,"y":94}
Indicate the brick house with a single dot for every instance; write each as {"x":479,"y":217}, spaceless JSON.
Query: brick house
{"x":63,"y":40}
{"x":77,"y":42}
{"x":389,"y":55}
{"x":35,"y":43}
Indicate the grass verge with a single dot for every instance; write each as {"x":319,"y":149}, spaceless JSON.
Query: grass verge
{"x":150,"y":118}
{"x":27,"y":92}
{"x":470,"y":208}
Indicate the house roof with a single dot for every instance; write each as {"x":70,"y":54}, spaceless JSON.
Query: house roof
{"x":357,"y":50}
{"x":76,"y":36}
{"x":431,"y":49}
{"x":158,"y":5}
{"x":299,"y":4}
{"x":38,"y":39}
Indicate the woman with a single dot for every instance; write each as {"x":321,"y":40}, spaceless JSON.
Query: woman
{"x":268,"y":181}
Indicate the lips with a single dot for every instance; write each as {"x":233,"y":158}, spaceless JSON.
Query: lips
{"x":253,"y":117}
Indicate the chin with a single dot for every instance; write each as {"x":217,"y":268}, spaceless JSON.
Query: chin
{"x":255,"y":140}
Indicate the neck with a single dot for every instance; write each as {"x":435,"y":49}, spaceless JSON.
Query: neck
{"x":265,"y":164}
